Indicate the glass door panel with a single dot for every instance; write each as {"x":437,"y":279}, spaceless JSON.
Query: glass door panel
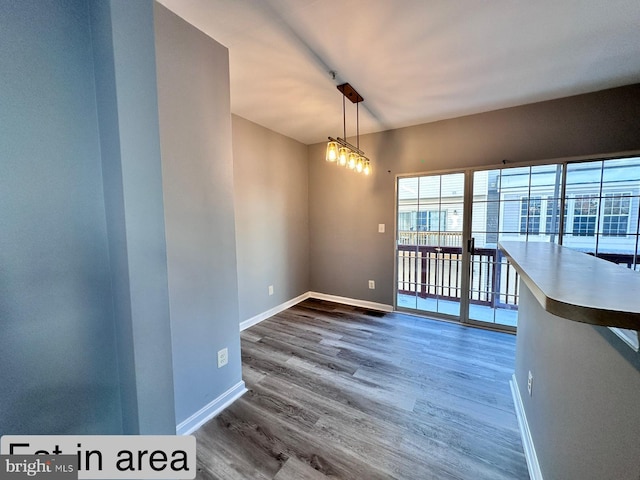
{"x":429,"y":243}
{"x":602,"y":205}
{"x":514,"y":204}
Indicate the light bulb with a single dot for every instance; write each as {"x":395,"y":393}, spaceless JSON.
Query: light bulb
{"x":353,"y":159}
{"x":367,"y":167}
{"x":332,"y":152}
{"x":359,"y":164}
{"x":343,"y":156}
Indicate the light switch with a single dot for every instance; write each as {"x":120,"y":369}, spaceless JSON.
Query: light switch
{"x":381,"y":228}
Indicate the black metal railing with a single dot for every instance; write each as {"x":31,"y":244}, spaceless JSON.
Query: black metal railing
{"x":431,"y":272}
{"x":436,"y":272}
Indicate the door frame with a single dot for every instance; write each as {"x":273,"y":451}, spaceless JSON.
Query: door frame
{"x":465,"y":260}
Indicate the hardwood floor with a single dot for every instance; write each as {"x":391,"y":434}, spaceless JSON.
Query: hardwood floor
{"x":347,"y":393}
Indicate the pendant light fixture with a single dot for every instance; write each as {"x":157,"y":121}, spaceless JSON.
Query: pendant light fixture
{"x":338,"y":149}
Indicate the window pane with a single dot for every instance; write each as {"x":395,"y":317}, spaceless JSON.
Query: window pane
{"x":584,"y":175}
{"x":546,"y":178}
{"x":616,"y":214}
{"x":530,"y":212}
{"x":552,"y":216}
{"x":408,"y":190}
{"x":585,"y":215}
{"x":429,"y":188}
{"x":450,"y":219}
{"x":621,"y":171}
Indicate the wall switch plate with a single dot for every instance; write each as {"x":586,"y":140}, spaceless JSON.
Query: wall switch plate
{"x":270,"y":289}
{"x":530,"y":383}
{"x":372,"y":284}
{"x":381,"y":228}
{"x":223,"y":357}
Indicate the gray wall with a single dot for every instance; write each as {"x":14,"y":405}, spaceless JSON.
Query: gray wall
{"x":86,"y":276}
{"x":124,"y":53}
{"x":197,"y":168}
{"x":583,"y":412}
{"x":58,"y":355}
{"x":345,"y":208}
{"x":272,"y":216}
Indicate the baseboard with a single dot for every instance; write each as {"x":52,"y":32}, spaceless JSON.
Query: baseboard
{"x":209,"y":411}
{"x":527,"y":440}
{"x":272,"y":311}
{"x":319,"y":296}
{"x":352,"y":301}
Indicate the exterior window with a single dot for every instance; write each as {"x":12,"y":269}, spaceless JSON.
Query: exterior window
{"x":422,"y":221}
{"x":585,"y":215}
{"x":405,"y":221}
{"x":530,"y":209}
{"x":549,"y":226}
{"x":431,"y":221}
{"x":616,"y":214}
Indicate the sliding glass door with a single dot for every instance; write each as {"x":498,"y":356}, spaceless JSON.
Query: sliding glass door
{"x":429,"y":243}
{"x":449,"y":225}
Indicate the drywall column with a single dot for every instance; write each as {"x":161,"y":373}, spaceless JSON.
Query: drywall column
{"x":124,"y":51}
{"x":197,"y":168}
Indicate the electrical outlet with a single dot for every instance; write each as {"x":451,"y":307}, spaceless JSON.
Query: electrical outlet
{"x":530,"y":383}
{"x":223,"y":357}
{"x":270,"y":289}
{"x":381,"y":228}
{"x":372,"y":284}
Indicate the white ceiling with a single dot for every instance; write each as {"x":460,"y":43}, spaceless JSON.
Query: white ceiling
{"x":413,"y":61}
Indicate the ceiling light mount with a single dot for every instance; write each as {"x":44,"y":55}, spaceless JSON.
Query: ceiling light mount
{"x":350,"y":92}
{"x":341,"y":151}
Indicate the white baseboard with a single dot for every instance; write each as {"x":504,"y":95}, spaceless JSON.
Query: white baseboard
{"x":209,"y":411}
{"x":527,"y":440}
{"x":272,"y":311}
{"x":352,"y":301}
{"x":320,"y":296}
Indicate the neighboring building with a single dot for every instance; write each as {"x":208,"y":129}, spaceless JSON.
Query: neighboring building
{"x":600,"y":207}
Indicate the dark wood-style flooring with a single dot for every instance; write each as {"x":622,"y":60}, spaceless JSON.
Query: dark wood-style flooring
{"x":347,"y":393}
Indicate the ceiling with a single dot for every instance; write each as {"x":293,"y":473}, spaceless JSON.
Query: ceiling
{"x":413,"y":61}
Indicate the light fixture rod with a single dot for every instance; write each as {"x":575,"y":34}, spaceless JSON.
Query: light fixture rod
{"x":344,"y":143}
{"x":344,"y":120}
{"x":357,"y":126}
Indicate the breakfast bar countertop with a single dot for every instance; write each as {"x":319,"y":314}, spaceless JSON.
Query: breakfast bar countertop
{"x":577,"y":286}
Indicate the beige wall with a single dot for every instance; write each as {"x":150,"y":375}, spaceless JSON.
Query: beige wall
{"x":272,"y":217}
{"x":345,"y":208}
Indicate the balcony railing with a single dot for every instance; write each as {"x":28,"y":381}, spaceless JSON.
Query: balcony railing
{"x":431,"y":272}
{"x":436,"y":272}
{"x":445,"y":239}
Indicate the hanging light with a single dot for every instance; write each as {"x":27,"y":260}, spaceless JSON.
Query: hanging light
{"x":367,"y":167}
{"x":343,"y":156}
{"x":332,"y":151}
{"x":353,"y":159}
{"x":341,"y":151}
